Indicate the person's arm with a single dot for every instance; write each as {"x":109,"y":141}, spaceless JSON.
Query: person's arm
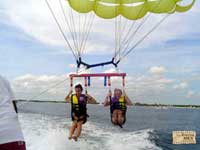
{"x":107,"y":99}
{"x":68,"y":97}
{"x":127,"y":99}
{"x":90,"y":99}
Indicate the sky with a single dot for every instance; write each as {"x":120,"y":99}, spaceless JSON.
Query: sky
{"x":164,"y":68}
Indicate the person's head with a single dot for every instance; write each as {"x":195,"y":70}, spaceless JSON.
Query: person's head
{"x":78,"y":89}
{"x":117,"y":93}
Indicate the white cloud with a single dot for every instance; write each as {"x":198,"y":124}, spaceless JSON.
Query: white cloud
{"x":190,"y":94}
{"x":147,"y":89}
{"x":182,"y":85}
{"x":111,"y":70}
{"x":196,"y":77}
{"x":28,"y":86}
{"x":157,"y":70}
{"x":73,"y":66}
{"x":146,"y":83}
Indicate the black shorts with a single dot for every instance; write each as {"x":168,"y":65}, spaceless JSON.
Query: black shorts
{"x":79,"y":118}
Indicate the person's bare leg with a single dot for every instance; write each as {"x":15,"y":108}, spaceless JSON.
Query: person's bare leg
{"x":72,"y":129}
{"x":114,"y":117}
{"x":78,"y":130}
{"x":120,"y":117}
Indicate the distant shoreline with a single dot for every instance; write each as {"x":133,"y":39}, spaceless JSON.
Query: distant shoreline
{"x":136,"y":104}
{"x":167,"y":105}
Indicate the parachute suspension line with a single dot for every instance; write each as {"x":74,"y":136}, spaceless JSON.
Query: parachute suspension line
{"x":88,"y":29}
{"x":127,"y":42}
{"x":146,"y":35}
{"x":60,"y":28}
{"x":82,"y":27}
{"x":79,"y":34}
{"x":132,"y":36}
{"x":71,"y":17}
{"x":131,"y":27}
{"x":83,"y":34}
{"x":43,"y":92}
{"x":130,"y":30}
{"x":48,"y":89}
{"x":124,"y":28}
{"x":115,"y":53}
{"x":120,"y":32}
{"x":68,"y":24}
{"x":81,"y":31}
{"x":132,"y":33}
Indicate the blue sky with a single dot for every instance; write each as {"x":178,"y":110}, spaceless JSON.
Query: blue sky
{"x":166,"y":64}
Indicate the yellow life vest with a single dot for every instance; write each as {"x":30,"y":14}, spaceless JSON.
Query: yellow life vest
{"x":75,"y":105}
{"x":78,"y":107}
{"x":74,"y":99}
{"x":122,"y":102}
{"x":118,"y":103}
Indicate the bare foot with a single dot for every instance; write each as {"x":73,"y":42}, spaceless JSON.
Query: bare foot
{"x":75,"y":138}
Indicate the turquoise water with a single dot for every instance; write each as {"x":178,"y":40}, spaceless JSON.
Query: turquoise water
{"x":146,"y":128}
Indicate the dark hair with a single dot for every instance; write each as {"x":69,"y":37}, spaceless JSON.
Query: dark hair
{"x":79,"y":86}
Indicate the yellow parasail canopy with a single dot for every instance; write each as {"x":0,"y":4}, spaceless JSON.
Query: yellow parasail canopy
{"x":130,"y":9}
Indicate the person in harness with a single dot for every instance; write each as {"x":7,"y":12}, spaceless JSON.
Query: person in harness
{"x":118,"y":106}
{"x":78,"y":110}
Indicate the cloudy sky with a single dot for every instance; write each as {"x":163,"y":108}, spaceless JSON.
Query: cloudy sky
{"x":164,"y":68}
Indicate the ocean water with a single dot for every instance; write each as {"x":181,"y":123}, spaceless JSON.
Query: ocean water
{"x":45,"y":127}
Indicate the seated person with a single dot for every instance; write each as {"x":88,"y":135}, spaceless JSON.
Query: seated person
{"x":78,"y":110}
{"x":118,"y":106}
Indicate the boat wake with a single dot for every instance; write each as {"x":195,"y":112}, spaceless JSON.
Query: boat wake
{"x":44,"y":132}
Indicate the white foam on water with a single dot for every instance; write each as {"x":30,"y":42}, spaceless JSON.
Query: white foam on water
{"x":114,"y":138}
{"x":131,"y":141}
{"x":51,"y":133}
